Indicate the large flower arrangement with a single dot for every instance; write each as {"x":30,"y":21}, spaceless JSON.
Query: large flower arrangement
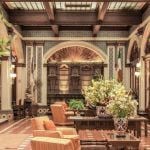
{"x":101,"y":91}
{"x":122,"y":107}
{"x":113,"y":94}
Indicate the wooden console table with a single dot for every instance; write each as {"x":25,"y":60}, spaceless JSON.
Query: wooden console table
{"x":134,"y":124}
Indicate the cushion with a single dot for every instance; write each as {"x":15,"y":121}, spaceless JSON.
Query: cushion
{"x":38,"y":124}
{"x":49,"y":125}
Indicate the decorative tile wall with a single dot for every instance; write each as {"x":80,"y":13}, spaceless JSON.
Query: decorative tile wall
{"x":111,"y":62}
{"x":29,"y":54}
{"x":39,"y":64}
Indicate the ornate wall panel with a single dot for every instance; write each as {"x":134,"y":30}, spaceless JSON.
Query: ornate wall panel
{"x":111,"y":64}
{"x":39,"y":63}
{"x":29,"y":55}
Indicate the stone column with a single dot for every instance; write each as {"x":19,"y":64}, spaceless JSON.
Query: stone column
{"x":44,"y":86}
{"x":142,"y":74}
{"x":142,"y":87}
{"x":6,"y":87}
{"x":21,"y":82}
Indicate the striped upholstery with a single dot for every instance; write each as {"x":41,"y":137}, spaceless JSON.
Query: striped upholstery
{"x":58,"y":119}
{"x":44,"y":143}
{"x":60,"y":133}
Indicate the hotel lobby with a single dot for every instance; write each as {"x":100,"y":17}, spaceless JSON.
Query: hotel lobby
{"x":74,"y":74}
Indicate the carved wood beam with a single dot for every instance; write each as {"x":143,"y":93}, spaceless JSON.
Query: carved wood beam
{"x":75,"y":0}
{"x":40,"y":18}
{"x":50,"y":14}
{"x":101,"y":14}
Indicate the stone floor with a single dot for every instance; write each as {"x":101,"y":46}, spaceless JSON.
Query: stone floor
{"x":16,"y":135}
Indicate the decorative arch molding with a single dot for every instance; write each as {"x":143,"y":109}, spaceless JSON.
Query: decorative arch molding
{"x":17,"y":47}
{"x":3,"y":30}
{"x":134,"y":39}
{"x":59,"y":46}
{"x":145,"y":38}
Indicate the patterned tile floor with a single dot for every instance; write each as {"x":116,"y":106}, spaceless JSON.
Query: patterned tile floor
{"x":17,"y":136}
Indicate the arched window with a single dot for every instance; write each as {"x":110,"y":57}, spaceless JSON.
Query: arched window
{"x":147,"y":74}
{"x":134,"y":80}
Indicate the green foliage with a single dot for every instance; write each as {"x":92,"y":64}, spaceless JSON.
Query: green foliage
{"x":76,"y":104}
{"x":4,"y":45}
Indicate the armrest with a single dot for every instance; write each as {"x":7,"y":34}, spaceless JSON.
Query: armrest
{"x":45,"y":143}
{"x":67,"y":131}
{"x":69,"y":113}
{"x":47,"y":133}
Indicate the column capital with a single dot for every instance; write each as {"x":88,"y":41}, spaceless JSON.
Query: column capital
{"x":140,"y":31}
{"x":20,"y":65}
{"x":111,"y":43}
{"x":121,"y":43}
{"x":29,"y":43}
{"x":39,"y":43}
{"x":4,"y":58}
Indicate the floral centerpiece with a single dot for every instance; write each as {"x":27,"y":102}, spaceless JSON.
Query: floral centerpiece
{"x":121,"y":106}
{"x":99,"y":92}
{"x":112,"y":94}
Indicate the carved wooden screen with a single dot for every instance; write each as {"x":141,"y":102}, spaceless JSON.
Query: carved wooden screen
{"x":134,"y":80}
{"x":70,"y":70}
{"x":65,"y":81}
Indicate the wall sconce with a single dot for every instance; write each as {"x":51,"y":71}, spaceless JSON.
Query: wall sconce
{"x":138,"y":69}
{"x":13,"y":75}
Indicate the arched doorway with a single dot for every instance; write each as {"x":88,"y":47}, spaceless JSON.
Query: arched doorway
{"x":71,"y":68}
{"x":145,"y":50}
{"x":134,"y":78}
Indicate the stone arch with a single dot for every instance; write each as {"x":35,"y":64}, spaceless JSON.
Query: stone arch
{"x":131,"y":43}
{"x":17,"y":47}
{"x":3,"y":31}
{"x":145,"y":38}
{"x":59,"y":46}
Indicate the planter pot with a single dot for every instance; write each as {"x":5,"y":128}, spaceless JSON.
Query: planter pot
{"x":101,"y":111}
{"x":121,"y":125}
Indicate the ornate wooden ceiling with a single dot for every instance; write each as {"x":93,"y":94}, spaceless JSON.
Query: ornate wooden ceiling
{"x":94,"y":15}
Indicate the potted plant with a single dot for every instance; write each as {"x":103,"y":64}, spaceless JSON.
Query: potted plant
{"x":76,"y":104}
{"x":100,"y":92}
{"x":121,"y":107}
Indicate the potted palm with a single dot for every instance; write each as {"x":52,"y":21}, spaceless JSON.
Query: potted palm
{"x":77,"y":105}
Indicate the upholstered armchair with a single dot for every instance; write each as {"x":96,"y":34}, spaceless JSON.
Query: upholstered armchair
{"x":63,"y":103}
{"x":43,"y":127}
{"x":60,"y":115}
{"x":48,"y":143}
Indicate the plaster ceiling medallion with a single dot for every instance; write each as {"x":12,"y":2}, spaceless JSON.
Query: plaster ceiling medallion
{"x":75,"y":54}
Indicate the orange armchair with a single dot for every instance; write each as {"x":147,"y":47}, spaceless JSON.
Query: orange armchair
{"x":60,"y":115}
{"x":63,"y":103}
{"x":40,"y":130}
{"x":48,"y":143}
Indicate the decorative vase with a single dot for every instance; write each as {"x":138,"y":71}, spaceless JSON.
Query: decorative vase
{"x":121,"y":125}
{"x":101,"y":110}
